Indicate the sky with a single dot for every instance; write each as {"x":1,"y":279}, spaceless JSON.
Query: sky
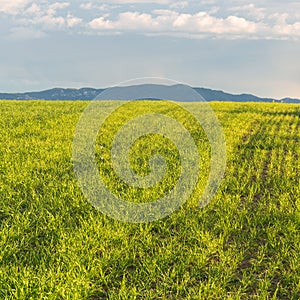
{"x":236,"y":46}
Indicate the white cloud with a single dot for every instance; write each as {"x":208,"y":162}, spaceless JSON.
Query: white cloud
{"x":181,"y":20}
{"x":45,"y":8}
{"x":287,"y":29}
{"x":46,"y":15}
{"x":250,"y":10}
{"x":207,"y":2}
{"x":204,"y":23}
{"x":26,"y":33}
{"x":171,"y":21}
{"x":49,"y":21}
{"x":163,"y":21}
{"x":165,"y":12}
{"x":87,"y":6}
{"x":282,"y":27}
{"x":13,"y":7}
{"x":95,"y":6}
{"x":73,"y":21}
{"x":176,"y":19}
{"x":180,"y":4}
{"x":101,"y":23}
{"x":34,"y":9}
{"x":135,"y":20}
{"x":139,"y":1}
{"x":52,"y":8}
{"x":280,"y":18}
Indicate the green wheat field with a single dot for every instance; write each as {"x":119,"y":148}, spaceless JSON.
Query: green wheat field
{"x":245,"y":244}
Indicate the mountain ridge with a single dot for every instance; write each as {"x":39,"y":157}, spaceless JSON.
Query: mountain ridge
{"x":88,"y":93}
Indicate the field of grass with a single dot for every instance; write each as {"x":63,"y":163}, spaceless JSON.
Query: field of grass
{"x":244,"y":245}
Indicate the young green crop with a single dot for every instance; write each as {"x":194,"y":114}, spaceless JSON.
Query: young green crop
{"x":244,"y":245}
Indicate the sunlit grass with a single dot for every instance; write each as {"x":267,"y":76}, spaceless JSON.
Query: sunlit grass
{"x":244,"y":245}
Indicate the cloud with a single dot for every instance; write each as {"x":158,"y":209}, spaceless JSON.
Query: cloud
{"x":139,"y":1}
{"x":90,"y":5}
{"x":251,"y":10}
{"x":94,"y":6}
{"x":13,"y":7}
{"x":134,"y":21}
{"x":101,"y":23}
{"x":87,"y":6}
{"x":73,"y":21}
{"x":52,"y":8}
{"x":47,"y":16}
{"x":49,"y":21}
{"x":34,"y":9}
{"x":287,"y":29}
{"x":179,"y":5}
{"x":163,"y":20}
{"x":281,"y":27}
{"x":182,"y":18}
{"x":205,"y":23}
{"x":26,"y":33}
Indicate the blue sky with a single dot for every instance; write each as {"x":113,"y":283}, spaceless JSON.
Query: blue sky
{"x":236,"y":45}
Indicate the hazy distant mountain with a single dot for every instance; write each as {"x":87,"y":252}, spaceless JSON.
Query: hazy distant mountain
{"x":177,"y":92}
{"x":210,"y":95}
{"x":55,"y":94}
{"x":290,"y":100}
{"x":91,"y":93}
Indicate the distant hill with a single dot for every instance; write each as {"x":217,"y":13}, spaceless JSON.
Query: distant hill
{"x":211,"y":95}
{"x":91,"y":93}
{"x":54,"y":94}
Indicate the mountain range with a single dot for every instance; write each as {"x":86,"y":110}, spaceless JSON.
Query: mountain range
{"x":91,"y":93}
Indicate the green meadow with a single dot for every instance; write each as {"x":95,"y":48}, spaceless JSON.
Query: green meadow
{"x":245,"y":244}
